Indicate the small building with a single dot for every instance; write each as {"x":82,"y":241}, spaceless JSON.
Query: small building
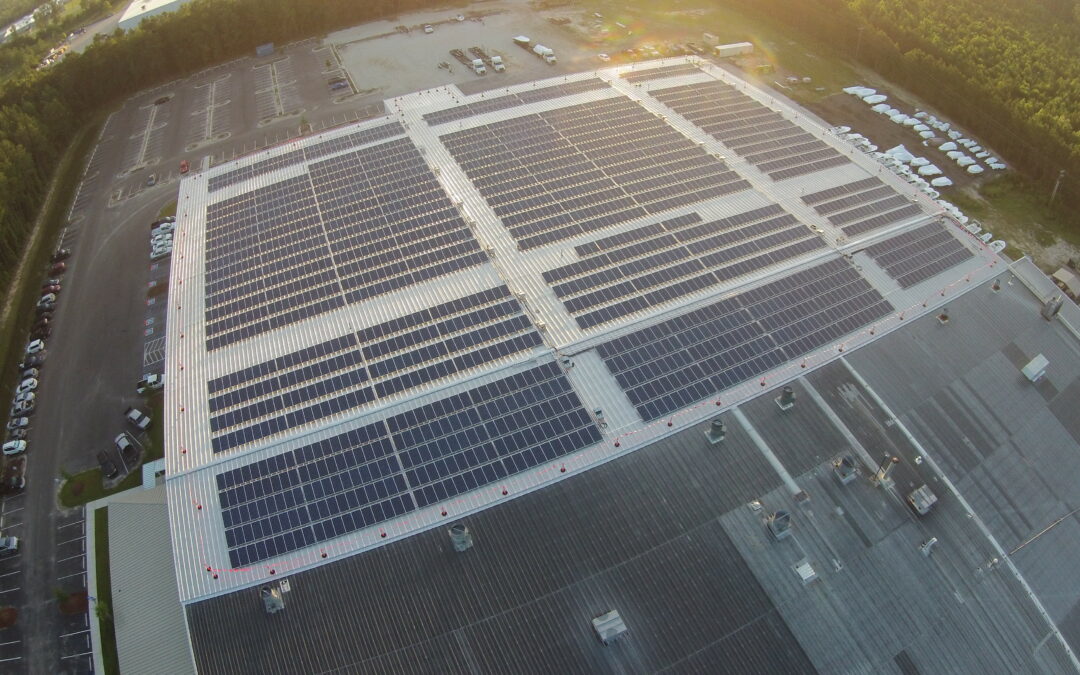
{"x":140,"y":9}
{"x":1068,"y":281}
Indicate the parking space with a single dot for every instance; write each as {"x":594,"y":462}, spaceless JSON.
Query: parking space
{"x":12,"y":593}
{"x":211,"y":117}
{"x":73,"y":627}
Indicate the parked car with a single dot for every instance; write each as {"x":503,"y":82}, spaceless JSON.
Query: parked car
{"x":30,"y":372}
{"x":61,"y":254}
{"x":32,"y":362}
{"x":29,"y":384}
{"x":428,"y":28}
{"x":151,"y":180}
{"x":47,"y":299}
{"x":14,"y":447}
{"x":149,"y":382}
{"x":50,"y":282}
{"x":34,"y":347}
{"x":51,"y":288}
{"x":18,"y":423}
{"x":108,"y":469}
{"x":166,"y":227}
{"x":41,"y":332}
{"x":22,"y":408}
{"x":137,"y":418}
{"x":25,"y":396}
{"x":47,"y":308}
{"x":13,"y":484}
{"x":17,"y":435}
{"x":184,"y":166}
{"x":9,"y":545}
{"x":128,"y":450}
{"x":58,"y":268}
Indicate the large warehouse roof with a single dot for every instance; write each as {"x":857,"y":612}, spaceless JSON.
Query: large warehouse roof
{"x":378,"y":328}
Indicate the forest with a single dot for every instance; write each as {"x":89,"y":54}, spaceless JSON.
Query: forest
{"x":1008,"y":70}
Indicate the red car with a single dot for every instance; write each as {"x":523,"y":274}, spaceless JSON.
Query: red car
{"x":58,"y":268}
{"x":184,"y":166}
{"x":55,"y":288}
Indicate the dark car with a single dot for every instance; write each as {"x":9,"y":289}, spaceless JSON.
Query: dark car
{"x":47,"y":307}
{"x":32,"y":362}
{"x":58,"y":268}
{"x":50,"y":282}
{"x":13,"y":485}
{"x":61,"y":254}
{"x":17,"y":435}
{"x":108,"y":469}
{"x":41,"y":333}
{"x":42,"y":322}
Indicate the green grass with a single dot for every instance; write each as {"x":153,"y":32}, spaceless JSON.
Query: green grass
{"x":167,"y":210}
{"x":85,"y":487}
{"x":109,"y":660}
{"x":154,"y":445}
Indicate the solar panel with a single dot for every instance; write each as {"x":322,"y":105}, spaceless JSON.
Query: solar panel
{"x":774,"y":145}
{"x":358,"y":225}
{"x":919,"y":254}
{"x":561,"y":173}
{"x":512,"y":100}
{"x":357,"y":368}
{"x":888,"y":218}
{"x":839,"y":191}
{"x":661,"y":72}
{"x":307,"y":153}
{"x":674,"y":364}
{"x":377,"y":472}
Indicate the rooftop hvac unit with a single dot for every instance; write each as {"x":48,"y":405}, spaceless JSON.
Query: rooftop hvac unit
{"x":272,"y":600}
{"x":609,"y":627}
{"x":541,"y":326}
{"x":779,"y":525}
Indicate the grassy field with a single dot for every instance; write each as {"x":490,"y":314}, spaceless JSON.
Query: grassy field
{"x":109,"y":661}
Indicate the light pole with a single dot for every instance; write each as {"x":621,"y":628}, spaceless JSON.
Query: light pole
{"x":858,"y":43}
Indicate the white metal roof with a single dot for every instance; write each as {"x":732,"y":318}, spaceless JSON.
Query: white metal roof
{"x":198,"y":534}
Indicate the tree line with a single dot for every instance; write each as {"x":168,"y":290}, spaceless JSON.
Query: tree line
{"x":1007,"y":71}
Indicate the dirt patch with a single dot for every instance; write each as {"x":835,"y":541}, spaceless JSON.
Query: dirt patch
{"x":76,"y":603}
{"x":8,"y":617}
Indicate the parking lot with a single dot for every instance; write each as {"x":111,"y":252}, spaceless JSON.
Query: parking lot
{"x":110,"y":316}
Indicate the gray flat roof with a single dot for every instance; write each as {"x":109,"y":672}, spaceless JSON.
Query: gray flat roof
{"x":672,"y":536}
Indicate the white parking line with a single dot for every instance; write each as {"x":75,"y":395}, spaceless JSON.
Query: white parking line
{"x":7,"y":510}
{"x":70,"y":540}
{"x":71,"y":557}
{"x":10,"y":590}
{"x":68,"y":576}
{"x":13,"y":524}
{"x":77,"y":522}
{"x":14,"y":658}
{"x":8,"y":574}
{"x":78,"y":632}
{"x":13,"y":642}
{"x":75,"y":656}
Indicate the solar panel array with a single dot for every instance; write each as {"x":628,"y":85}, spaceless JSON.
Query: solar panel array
{"x":357,"y":368}
{"x":862,"y":206}
{"x":657,"y":263}
{"x":919,"y":254}
{"x":557,"y":174}
{"x":426,"y":455}
{"x":513,"y":100}
{"x":669,"y":366}
{"x":358,"y":225}
{"x":307,"y":153}
{"x":762,"y":136}
{"x":661,"y":72}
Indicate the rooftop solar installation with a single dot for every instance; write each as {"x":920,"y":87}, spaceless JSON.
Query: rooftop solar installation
{"x":403,"y":320}
{"x":554,"y":175}
{"x":779,"y":148}
{"x":917,"y":255}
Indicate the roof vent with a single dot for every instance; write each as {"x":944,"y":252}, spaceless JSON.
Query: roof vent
{"x":1051,"y":308}
{"x":779,"y":525}
{"x":1035,"y":370}
{"x":460,"y":537}
{"x":609,"y":627}
{"x":786,"y":399}
{"x":272,"y":600}
{"x":716,"y":431}
{"x":844,"y":469}
{"x":541,"y":326}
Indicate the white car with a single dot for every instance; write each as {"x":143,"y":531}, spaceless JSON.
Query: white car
{"x":164,"y":228}
{"x":428,"y":28}
{"x":603,"y":57}
{"x":26,"y":395}
{"x":35,"y":346}
{"x":9,"y":545}
{"x":14,"y":447}
{"x":46,"y":299}
{"x":29,"y":384}
{"x":18,"y":423}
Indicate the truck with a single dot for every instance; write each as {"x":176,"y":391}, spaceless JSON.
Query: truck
{"x":149,"y":382}
{"x":734,"y":49}
{"x":478,"y":67}
{"x":497,"y":64}
{"x":921,"y":499}
{"x":493,"y":62}
{"x":523,"y":42}
{"x":545,"y":53}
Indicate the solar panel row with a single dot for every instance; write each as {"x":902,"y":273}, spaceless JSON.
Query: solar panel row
{"x":661,"y":72}
{"x":774,"y":145}
{"x":888,"y":218}
{"x":676,"y":363}
{"x":355,"y":480}
{"x":358,"y":368}
{"x":358,"y":225}
{"x":558,"y":174}
{"x":840,"y":190}
{"x":919,"y":254}
{"x":512,"y":100}
{"x":307,"y":153}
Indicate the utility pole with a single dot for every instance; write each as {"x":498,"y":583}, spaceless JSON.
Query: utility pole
{"x":1057,"y":184}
